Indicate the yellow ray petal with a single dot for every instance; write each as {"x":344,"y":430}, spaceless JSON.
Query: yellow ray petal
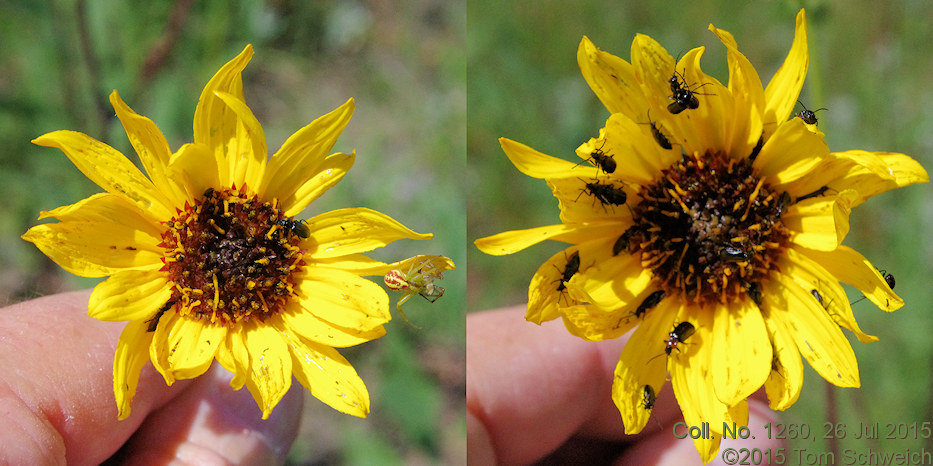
{"x":741,"y":352}
{"x":185,"y":347}
{"x":544,"y":297}
{"x":820,"y":223}
{"x":151,"y":146}
{"x":616,"y":283}
{"x":612,"y":80}
{"x":130,"y":295}
{"x":786,"y":377}
{"x":128,"y":360}
{"x":653,"y":67}
{"x":353,"y":230}
{"x":246,"y":148}
{"x":848,"y":266}
{"x":215,"y":123}
{"x":95,"y":249}
{"x":584,"y":200}
{"x":639,"y":365}
{"x":105,"y":208}
{"x":817,"y":337}
{"x":509,"y":242}
{"x":748,"y":98}
{"x":692,"y":368}
{"x":639,"y":157}
{"x":300,"y":170}
{"x":872,"y":173}
{"x":791,"y":153}
{"x":534,"y":163}
{"x":108,"y":168}
{"x":195,"y":169}
{"x":709,"y":120}
{"x":328,"y":376}
{"x":234,"y":357}
{"x":311,"y":328}
{"x":343,"y":299}
{"x":784,"y":88}
{"x":824,"y":280}
{"x":270,"y":363}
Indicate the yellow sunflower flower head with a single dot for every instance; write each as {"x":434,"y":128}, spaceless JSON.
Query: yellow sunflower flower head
{"x":206,"y":259}
{"x":711,"y":219}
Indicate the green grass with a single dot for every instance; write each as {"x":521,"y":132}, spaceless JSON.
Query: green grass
{"x":404,"y":66}
{"x":869,"y":66}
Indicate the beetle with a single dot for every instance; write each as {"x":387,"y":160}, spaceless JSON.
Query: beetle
{"x":296,"y":227}
{"x":818,"y":192}
{"x":154,"y":321}
{"x":680,"y":333}
{"x":808,"y":116}
{"x":606,"y":193}
{"x":602,"y":160}
{"x":651,"y":301}
{"x":754,"y":292}
{"x":683,"y":97}
{"x":659,"y":137}
{"x":572,"y":267}
{"x":648,"y":397}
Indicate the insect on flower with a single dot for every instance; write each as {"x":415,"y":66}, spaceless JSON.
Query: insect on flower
{"x":808,"y":116}
{"x":572,"y":267}
{"x":606,"y":194}
{"x":418,"y":279}
{"x":683,"y":98}
{"x":601,"y":160}
{"x":649,"y":397}
{"x":651,"y":301}
{"x":296,"y":227}
{"x":680,"y":333}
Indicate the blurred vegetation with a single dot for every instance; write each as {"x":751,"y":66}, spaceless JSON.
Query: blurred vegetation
{"x":869,"y":65}
{"x":404,"y":64}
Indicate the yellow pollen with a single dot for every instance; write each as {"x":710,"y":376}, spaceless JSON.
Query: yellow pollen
{"x":216,"y":291}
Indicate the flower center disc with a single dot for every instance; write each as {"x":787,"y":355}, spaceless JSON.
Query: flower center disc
{"x":230,"y":257}
{"x":710,"y":229}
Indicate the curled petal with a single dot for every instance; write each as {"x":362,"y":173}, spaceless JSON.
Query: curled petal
{"x":108,"y":168}
{"x":246,"y":148}
{"x":301,"y":169}
{"x":353,"y":230}
{"x":848,"y":266}
{"x":215,"y":123}
{"x":642,"y":363}
{"x":612,"y":80}
{"x":817,"y":337}
{"x":786,"y":377}
{"x":128,"y":360}
{"x":536,"y":164}
{"x":784,"y":88}
{"x":820,"y":223}
{"x":130,"y":295}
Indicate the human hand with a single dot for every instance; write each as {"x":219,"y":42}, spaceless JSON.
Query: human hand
{"x":57,"y":402}
{"x":537,"y":392}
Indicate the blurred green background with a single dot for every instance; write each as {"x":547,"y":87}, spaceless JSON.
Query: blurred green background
{"x":404,"y":64}
{"x":870,"y":65}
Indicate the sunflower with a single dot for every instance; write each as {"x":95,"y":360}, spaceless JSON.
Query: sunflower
{"x":710,"y":219}
{"x":206,"y":259}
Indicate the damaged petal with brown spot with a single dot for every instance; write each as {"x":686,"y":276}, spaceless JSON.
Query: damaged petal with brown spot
{"x":230,"y":258}
{"x":710,"y":229}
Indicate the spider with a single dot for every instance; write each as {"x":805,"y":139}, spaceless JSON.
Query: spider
{"x":419,"y":279}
